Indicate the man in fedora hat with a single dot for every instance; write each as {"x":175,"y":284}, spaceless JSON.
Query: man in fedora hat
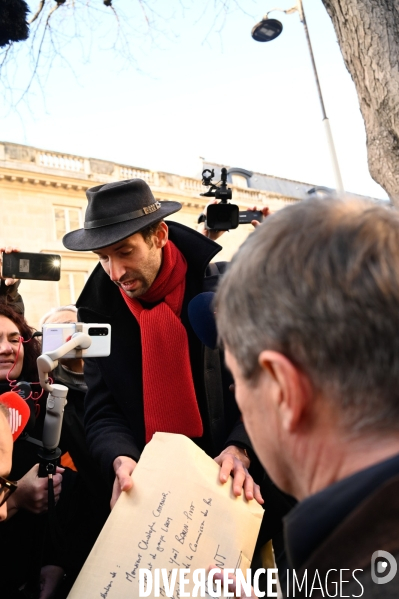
{"x":158,"y":377}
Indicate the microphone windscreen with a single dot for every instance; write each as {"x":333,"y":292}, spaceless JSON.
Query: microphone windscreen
{"x":202,"y":318}
{"x":19,"y":412}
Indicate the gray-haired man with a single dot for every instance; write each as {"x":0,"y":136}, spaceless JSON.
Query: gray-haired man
{"x":309,"y":317}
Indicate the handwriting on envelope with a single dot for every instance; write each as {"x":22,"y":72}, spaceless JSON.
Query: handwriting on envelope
{"x":177,"y":515}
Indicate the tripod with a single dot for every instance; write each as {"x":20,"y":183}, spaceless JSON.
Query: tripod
{"x":49,"y":456}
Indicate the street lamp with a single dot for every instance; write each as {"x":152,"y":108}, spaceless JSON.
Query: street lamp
{"x":266,"y":31}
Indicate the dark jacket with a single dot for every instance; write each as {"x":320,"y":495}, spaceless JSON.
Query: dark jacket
{"x":72,"y":434}
{"x":114,"y":417}
{"x":372,"y":526}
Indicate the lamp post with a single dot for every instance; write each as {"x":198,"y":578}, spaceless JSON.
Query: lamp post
{"x":266,"y":31}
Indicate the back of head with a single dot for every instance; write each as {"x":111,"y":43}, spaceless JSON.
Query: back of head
{"x":62,"y":314}
{"x":319,"y":282}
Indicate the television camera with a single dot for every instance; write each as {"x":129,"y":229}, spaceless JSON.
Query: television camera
{"x":224,"y":216}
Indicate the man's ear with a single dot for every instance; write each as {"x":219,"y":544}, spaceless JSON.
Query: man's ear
{"x":161,"y":235}
{"x":292,"y":388}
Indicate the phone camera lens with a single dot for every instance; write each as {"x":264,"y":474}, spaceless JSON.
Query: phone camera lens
{"x":98,"y":331}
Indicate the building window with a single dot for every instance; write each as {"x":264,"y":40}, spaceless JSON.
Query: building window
{"x":66,"y":219}
{"x":70,"y":286}
{"x":239,"y":180}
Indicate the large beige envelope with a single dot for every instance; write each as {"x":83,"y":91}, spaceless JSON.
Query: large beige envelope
{"x":177,"y":515}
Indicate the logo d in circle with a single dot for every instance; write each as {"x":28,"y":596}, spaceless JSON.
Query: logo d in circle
{"x":381,"y":567}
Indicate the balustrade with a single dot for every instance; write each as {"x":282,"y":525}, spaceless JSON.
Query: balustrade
{"x":126,"y":172}
{"x":100,"y":170}
{"x":61,"y":161}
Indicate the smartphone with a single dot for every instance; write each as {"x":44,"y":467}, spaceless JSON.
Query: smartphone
{"x":245,"y":217}
{"x":55,"y":335}
{"x":24,"y":265}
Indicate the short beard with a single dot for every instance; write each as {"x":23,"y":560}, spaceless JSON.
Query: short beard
{"x":136,"y":292}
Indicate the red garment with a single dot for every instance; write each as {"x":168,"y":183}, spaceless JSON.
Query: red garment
{"x":170,"y":404}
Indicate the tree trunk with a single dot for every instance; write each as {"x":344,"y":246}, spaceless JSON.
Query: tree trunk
{"x":368,"y":34}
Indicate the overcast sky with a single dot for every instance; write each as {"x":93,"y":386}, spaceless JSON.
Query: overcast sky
{"x":197,"y":91}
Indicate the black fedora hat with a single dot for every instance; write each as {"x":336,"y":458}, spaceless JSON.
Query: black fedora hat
{"x":116,"y":211}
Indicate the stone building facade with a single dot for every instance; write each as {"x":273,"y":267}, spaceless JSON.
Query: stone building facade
{"x":42,"y":197}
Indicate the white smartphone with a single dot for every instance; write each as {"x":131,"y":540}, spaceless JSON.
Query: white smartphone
{"x":55,"y":335}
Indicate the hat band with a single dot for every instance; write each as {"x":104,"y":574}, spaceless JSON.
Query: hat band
{"x":103,"y":222}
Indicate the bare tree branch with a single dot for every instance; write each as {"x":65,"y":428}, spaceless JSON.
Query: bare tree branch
{"x":34,"y":74}
{"x":37,"y":13}
{"x":57,"y":28}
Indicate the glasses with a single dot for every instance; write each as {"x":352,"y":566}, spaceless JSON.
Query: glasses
{"x":7,"y":488}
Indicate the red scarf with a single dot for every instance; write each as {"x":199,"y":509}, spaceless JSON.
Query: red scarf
{"x":170,"y":404}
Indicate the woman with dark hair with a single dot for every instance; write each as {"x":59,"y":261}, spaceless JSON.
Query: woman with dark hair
{"x":18,"y":353}
{"x":29,"y":348}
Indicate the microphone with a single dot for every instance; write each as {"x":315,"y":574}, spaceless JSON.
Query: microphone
{"x":19,"y":412}
{"x":202,"y":318}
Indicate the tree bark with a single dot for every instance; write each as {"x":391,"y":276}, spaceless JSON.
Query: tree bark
{"x":368,"y":34}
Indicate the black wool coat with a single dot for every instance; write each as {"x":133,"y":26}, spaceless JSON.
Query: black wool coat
{"x":114,"y":419}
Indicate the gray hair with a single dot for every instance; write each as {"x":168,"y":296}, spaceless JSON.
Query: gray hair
{"x":69,"y":308}
{"x":319,"y":282}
